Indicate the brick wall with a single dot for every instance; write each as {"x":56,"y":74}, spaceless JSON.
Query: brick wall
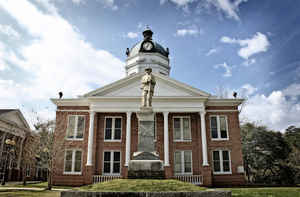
{"x":233,"y":144}
{"x":60,"y":145}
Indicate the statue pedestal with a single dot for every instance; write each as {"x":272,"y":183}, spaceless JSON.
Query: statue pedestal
{"x":146,"y":163}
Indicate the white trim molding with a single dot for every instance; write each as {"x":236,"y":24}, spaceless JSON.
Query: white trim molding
{"x":182,"y":129}
{"x":113,"y":129}
{"x":220,"y":152}
{"x":74,"y":151}
{"x":219,"y":138}
{"x":111,"y":162}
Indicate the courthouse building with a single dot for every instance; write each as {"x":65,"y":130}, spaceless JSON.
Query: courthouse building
{"x":197,"y":135}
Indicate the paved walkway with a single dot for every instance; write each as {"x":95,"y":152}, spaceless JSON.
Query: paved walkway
{"x":20,"y":182}
{"x":6,"y":188}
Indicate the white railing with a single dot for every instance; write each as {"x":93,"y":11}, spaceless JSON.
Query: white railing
{"x":103,"y":178}
{"x":194,"y":179}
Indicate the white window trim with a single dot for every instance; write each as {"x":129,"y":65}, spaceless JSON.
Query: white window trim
{"x":74,"y":138}
{"x":182,"y":162}
{"x":221,"y":161}
{"x":113,"y":128}
{"x":219,"y":128}
{"x":73,"y":161}
{"x":28,"y":170}
{"x":181,"y":129}
{"x":112,"y":162}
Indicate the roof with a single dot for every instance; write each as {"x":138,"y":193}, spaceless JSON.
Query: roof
{"x":156,"y":48}
{"x":130,"y":80}
{"x":4,"y":114}
{"x":3,"y":111}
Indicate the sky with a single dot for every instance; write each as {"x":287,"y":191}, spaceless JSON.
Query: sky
{"x":218,"y":46}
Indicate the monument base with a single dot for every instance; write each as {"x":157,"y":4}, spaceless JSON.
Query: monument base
{"x":146,"y":169}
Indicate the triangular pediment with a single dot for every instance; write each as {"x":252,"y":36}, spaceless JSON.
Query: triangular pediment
{"x":16,"y":117}
{"x":130,"y":87}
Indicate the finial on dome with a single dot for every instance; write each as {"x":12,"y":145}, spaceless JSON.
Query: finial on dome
{"x":147,"y":33}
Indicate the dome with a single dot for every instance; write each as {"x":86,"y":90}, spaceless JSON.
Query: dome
{"x":147,"y":53}
{"x":157,"y":48}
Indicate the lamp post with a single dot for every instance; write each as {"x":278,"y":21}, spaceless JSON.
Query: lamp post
{"x":10,"y":144}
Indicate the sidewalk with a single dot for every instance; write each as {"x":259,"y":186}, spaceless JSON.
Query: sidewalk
{"x":20,"y":182}
{"x":30,"y":189}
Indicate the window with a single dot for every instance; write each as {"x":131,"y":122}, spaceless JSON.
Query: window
{"x":218,"y":126}
{"x":221,"y":162}
{"x":183,"y":162}
{"x":76,"y":126}
{"x":182,"y":130}
{"x":27,"y":172}
{"x":111,"y":162}
{"x":113,"y":128}
{"x":73,"y":160}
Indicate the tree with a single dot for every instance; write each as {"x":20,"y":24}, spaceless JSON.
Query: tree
{"x":29,"y":152}
{"x":46,"y":149}
{"x":292,"y":136}
{"x":265,"y":153}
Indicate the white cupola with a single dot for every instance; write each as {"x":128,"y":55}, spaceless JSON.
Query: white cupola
{"x":145,"y":54}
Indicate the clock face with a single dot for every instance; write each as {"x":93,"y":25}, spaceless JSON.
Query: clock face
{"x":147,"y":46}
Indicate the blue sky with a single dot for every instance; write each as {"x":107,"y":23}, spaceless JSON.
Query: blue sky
{"x":219,"y":46}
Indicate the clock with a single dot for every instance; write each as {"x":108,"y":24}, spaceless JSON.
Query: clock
{"x":147,"y":46}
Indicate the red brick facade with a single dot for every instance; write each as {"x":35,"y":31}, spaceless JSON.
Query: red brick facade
{"x":195,"y":145}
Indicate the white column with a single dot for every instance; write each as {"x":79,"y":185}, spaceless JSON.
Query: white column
{"x":20,"y":154}
{"x":89,"y":161}
{"x":128,"y":137}
{"x":166,"y":139}
{"x":203,"y":136}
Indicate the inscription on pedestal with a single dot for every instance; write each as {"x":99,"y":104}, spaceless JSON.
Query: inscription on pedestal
{"x":146,"y":136}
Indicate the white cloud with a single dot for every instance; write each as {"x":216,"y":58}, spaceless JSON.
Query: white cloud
{"x":188,"y":31}
{"x":178,"y":2}
{"x":58,"y":59}
{"x":132,"y":35}
{"x":229,"y":7}
{"x":226,"y":67}
{"x":9,"y":31}
{"x":275,"y":110}
{"x":109,"y":4}
{"x":249,"y":62}
{"x":78,"y":2}
{"x":246,"y":90}
{"x":257,"y":44}
{"x":211,"y":51}
{"x":292,"y":90}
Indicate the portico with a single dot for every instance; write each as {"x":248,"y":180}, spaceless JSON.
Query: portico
{"x":197,"y":135}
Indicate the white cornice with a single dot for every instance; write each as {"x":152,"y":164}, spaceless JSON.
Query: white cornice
{"x":71,"y":102}
{"x":148,"y":54}
{"x":224,"y":102}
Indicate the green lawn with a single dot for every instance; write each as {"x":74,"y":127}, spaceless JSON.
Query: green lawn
{"x":265,"y":192}
{"x":142,"y":185}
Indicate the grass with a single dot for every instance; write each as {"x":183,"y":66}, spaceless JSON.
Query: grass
{"x":265,"y":192}
{"x":142,"y":185}
{"x":29,"y":194}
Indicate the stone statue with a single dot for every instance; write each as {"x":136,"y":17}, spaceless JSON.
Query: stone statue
{"x":148,"y":83}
